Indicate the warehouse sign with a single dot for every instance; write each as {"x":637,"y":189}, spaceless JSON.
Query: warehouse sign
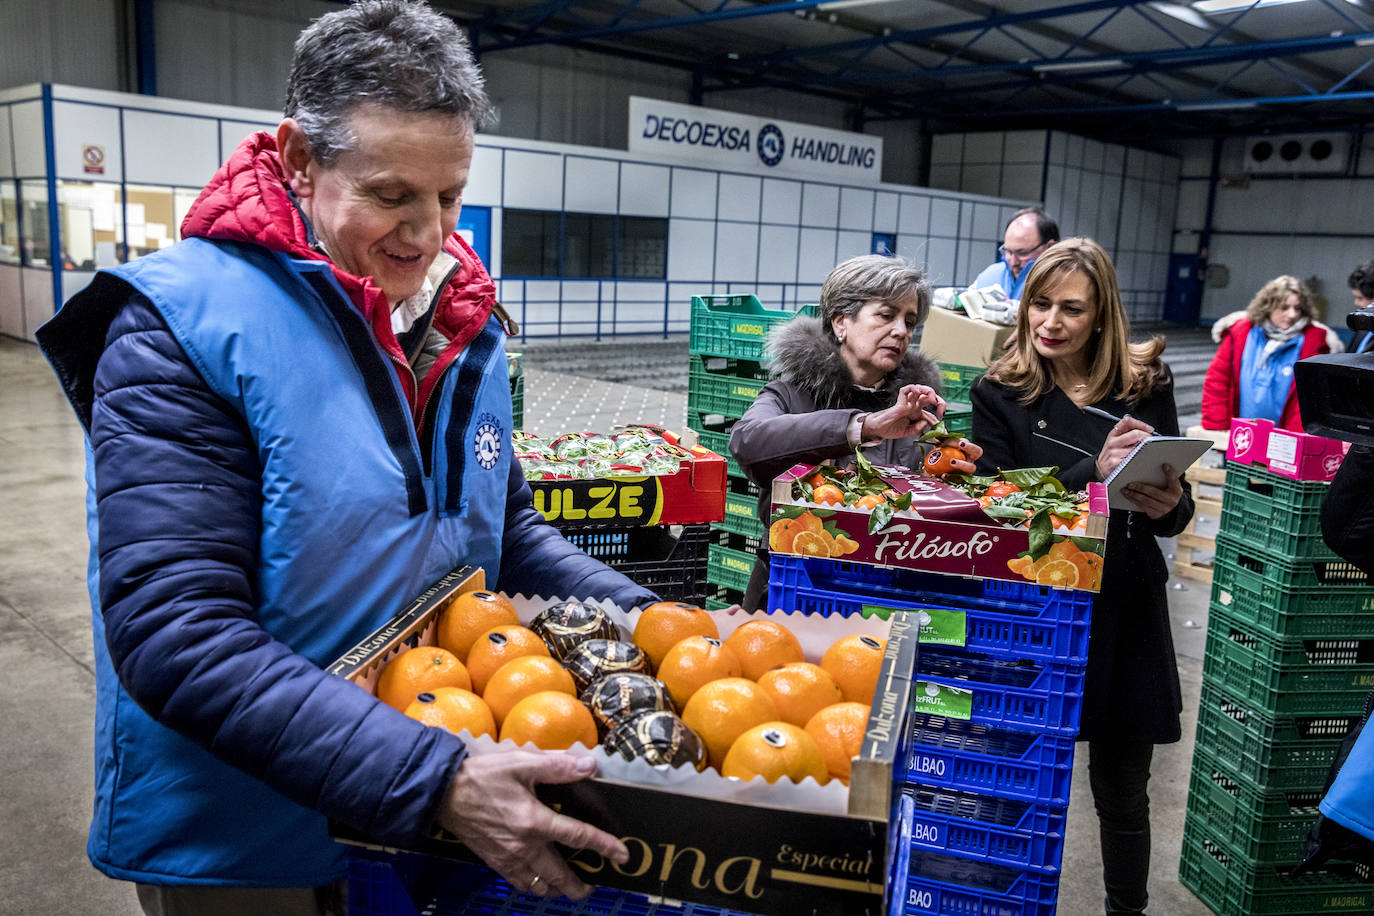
{"x":726,"y":140}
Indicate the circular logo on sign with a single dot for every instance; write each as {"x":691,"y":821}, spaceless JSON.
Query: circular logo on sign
{"x":771,"y":144}
{"x":487,"y":445}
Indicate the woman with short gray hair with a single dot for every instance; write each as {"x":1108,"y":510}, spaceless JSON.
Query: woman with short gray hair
{"x":844,"y":380}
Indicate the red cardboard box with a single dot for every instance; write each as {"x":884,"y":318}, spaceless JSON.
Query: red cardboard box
{"x":795,"y":848}
{"x":1296,"y":455}
{"x":962,"y":541}
{"x":694,"y":495}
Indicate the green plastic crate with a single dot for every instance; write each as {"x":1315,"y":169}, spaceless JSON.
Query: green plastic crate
{"x":959,"y":419}
{"x":1288,"y":676}
{"x":729,"y":567}
{"x":719,"y":443}
{"x":1232,"y":885}
{"x":720,"y":392}
{"x":957,"y":381}
{"x":517,"y":400}
{"x":1273,"y":752}
{"x":741,"y":516}
{"x":734,"y":326}
{"x":1274,"y":514}
{"x":716,"y":604}
{"x":1264,"y":826}
{"x":1292,"y":598}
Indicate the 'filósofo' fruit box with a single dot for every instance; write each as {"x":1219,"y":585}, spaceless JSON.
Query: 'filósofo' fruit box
{"x":943,"y":531}
{"x":694,"y":494}
{"x":780,"y":848}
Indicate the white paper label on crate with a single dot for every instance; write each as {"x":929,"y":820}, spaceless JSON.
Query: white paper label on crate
{"x":1282,"y":449}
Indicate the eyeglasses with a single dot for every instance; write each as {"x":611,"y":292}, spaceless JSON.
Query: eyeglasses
{"x":1006,"y":252}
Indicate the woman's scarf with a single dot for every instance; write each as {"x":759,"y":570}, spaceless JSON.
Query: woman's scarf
{"x":1275,"y":337}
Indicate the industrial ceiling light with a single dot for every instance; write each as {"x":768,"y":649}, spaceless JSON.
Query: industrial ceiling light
{"x":1215,"y":106}
{"x":1216,"y":7}
{"x":845,"y":4}
{"x":1099,"y":63}
{"x":1183,"y":14}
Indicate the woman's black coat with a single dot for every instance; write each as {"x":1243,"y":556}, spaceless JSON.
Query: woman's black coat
{"x":1132,"y":689}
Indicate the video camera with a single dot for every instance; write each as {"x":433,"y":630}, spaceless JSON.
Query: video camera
{"x":1336,"y":390}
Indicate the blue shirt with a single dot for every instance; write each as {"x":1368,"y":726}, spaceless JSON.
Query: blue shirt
{"x":1264,"y":389}
{"x":999,"y":274}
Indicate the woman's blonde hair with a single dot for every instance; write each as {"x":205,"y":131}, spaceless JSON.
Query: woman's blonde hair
{"x":1115,"y":366}
{"x":1274,"y":293}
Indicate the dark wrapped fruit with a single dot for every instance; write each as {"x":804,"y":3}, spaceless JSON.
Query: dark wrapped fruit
{"x":619,"y":696}
{"x":568,"y":624}
{"x":596,"y":658}
{"x":659,"y":738}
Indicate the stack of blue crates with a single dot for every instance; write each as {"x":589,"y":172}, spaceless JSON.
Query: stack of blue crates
{"x":990,"y":792}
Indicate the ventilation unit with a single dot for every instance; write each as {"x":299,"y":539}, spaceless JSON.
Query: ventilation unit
{"x":1307,"y":154}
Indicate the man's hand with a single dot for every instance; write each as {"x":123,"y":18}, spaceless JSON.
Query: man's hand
{"x":492,"y":808}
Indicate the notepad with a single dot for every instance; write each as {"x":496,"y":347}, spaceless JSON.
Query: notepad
{"x":1145,"y":464}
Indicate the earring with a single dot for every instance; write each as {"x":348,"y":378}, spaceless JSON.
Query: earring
{"x":840,"y":338}
{"x":1099,"y":330}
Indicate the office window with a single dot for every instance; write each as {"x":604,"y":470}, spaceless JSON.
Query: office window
{"x":33,"y":217}
{"x":92,"y":223}
{"x":150,"y":215}
{"x":529,"y":243}
{"x":588,"y":245}
{"x":9,"y":222}
{"x":643,"y":250}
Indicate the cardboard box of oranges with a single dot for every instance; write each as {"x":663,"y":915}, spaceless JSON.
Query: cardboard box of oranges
{"x":934,"y":528}
{"x":817,"y":845}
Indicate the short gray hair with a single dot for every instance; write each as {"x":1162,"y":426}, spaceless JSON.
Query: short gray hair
{"x":397,"y":54}
{"x":868,"y":277}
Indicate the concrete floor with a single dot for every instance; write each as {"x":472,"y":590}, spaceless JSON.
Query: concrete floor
{"x":47,"y":681}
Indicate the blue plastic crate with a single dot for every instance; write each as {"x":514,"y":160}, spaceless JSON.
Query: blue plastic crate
{"x":1006,"y":764}
{"x":940,"y":885}
{"x":998,"y":831}
{"x":1021,"y":696}
{"x":1005,"y":619}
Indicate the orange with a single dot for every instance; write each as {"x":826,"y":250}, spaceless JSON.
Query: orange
{"x":721,"y":711}
{"x":1058,"y":573}
{"x":854,"y":662}
{"x":453,"y":708}
{"x":667,"y":623}
{"x":838,"y":731}
{"x":869,"y":501}
{"x":808,"y":522}
{"x":810,"y":544}
{"x":416,"y":670}
{"x":780,"y":535}
{"x":549,"y":720}
{"x":775,"y":750}
{"x":763,"y":644}
{"x":816,"y":479}
{"x":845,"y":545}
{"x":520,"y":677}
{"x":693,"y":662}
{"x":469,"y":616}
{"x":497,"y":646}
{"x":1089,"y":569}
{"x":827,"y":494}
{"x":800,"y":690}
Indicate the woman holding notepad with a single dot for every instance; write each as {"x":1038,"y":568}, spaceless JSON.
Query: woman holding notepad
{"x":1074,"y":393}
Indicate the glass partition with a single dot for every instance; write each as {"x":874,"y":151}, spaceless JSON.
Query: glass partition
{"x":92,"y":217}
{"x":33,"y":219}
{"x":9,"y":222}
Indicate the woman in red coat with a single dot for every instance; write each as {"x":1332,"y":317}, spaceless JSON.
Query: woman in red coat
{"x":1252,"y":374}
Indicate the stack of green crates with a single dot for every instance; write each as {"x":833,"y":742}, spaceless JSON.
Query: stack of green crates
{"x":727,"y":371}
{"x":955,"y":384}
{"x":516,"y":370}
{"x":1288,"y":665}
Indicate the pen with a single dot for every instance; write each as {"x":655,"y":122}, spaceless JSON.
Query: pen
{"x":1097,"y":412}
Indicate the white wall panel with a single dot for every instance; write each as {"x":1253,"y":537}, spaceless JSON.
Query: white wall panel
{"x":913,"y":216}
{"x":849,"y":244}
{"x":981,"y":179}
{"x":1021,"y":181}
{"x":913,"y":248}
{"x":1109,"y":210}
{"x":484,"y":178}
{"x":782,"y":201}
{"x":1093,"y":155}
{"x":778,"y":253}
{"x":986,"y":225}
{"x":38,"y":304}
{"x":533,"y":181}
{"x":740,"y":197}
{"x":885,"y":211}
{"x":644,"y":189}
{"x":6,"y":150}
{"x":1090,"y":213}
{"x":983,"y":148}
{"x":169,"y":149}
{"x":856,"y":208}
{"x":1024,"y":146}
{"x":737,"y":252}
{"x":590,"y":185}
{"x":76,"y":126}
{"x":940,"y":262}
{"x":11,"y":301}
{"x":691,"y":249}
{"x":232,"y":133}
{"x":63,"y":41}
{"x":820,"y":205}
{"x":944,"y":217}
{"x":694,"y":193}
{"x":815,"y":254}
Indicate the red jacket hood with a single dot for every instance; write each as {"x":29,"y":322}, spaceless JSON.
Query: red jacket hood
{"x":247,"y":201}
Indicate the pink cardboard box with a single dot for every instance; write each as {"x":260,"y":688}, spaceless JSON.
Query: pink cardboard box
{"x":1296,"y":455}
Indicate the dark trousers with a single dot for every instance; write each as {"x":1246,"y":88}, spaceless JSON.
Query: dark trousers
{"x":1119,"y":772}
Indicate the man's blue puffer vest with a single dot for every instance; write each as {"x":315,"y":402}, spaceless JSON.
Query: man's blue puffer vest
{"x":355,"y":521}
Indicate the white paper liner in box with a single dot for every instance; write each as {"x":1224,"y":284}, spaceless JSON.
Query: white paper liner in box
{"x":814,"y":632}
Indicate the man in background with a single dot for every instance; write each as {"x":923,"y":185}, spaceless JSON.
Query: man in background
{"x":1361,"y":282}
{"x":1027,"y":235}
